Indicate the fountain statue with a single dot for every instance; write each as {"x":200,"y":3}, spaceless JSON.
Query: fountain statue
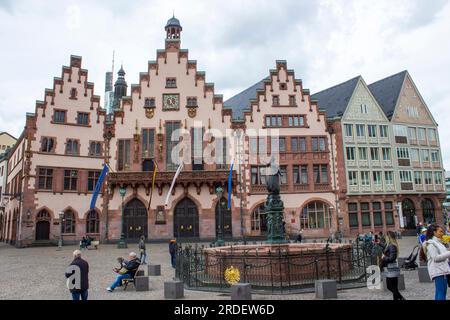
{"x":274,"y":205}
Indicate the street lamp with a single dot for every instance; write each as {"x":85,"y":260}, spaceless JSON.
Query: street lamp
{"x":219,"y":241}
{"x":61,"y":220}
{"x":122,"y":244}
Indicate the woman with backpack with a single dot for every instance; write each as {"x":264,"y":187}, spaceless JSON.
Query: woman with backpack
{"x":389,"y":265}
{"x":437,"y":257}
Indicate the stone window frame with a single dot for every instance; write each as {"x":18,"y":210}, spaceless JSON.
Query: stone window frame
{"x":72,"y":153}
{"x":46,"y":178}
{"x":71,"y":178}
{"x":55,"y":110}
{"x":73,"y":94}
{"x":171,"y":82}
{"x":53,"y":149}
{"x":92,"y":154}
{"x":77,"y":120}
{"x":94,"y":179}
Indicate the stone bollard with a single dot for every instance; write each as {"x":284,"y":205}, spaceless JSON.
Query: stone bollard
{"x":424,"y":275}
{"x":142,"y":283}
{"x":241,"y":291}
{"x":173,"y":289}
{"x":154,"y":269}
{"x":140,"y":273}
{"x":401,"y":282}
{"x":325,"y":289}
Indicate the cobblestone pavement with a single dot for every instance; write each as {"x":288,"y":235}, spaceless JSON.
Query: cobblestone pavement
{"x":38,"y":273}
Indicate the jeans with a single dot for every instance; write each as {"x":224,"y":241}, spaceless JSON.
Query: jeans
{"x":119,"y":279}
{"x":77,"y":294}
{"x":143,"y":257}
{"x":173,"y":258}
{"x":440,"y":283}
{"x":392,"y":285}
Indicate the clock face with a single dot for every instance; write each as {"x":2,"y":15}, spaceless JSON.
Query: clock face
{"x":171,"y":102}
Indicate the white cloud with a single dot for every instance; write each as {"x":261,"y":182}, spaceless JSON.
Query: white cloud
{"x":235,"y":42}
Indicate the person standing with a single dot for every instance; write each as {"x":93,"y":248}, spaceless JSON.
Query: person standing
{"x":437,"y":257}
{"x":389,"y":265}
{"x":83,"y":266}
{"x":142,"y":250}
{"x":173,"y":252}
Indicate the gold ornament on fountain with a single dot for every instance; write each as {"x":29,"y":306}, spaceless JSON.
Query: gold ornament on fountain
{"x":232,"y":275}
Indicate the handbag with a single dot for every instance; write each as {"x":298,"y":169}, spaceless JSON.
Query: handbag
{"x":122,"y":270}
{"x":392,"y":270}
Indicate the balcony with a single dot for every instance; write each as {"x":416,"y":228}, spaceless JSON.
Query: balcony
{"x":301,"y":187}
{"x":186,"y":178}
{"x":322,"y":187}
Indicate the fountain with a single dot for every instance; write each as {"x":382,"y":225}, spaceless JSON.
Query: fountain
{"x":275,"y":262}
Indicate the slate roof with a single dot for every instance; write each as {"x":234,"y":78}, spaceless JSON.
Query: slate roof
{"x":241,"y":102}
{"x":335,"y":100}
{"x":387,"y":91}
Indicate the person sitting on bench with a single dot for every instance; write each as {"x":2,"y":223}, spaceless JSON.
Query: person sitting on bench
{"x":83,"y":243}
{"x":127,"y":271}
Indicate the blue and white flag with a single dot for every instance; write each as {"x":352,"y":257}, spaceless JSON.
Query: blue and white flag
{"x":230,"y":178}
{"x":98,"y":186}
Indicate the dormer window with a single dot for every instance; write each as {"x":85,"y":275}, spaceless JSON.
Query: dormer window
{"x":275,"y":100}
{"x":192,"y":102}
{"x":171,"y":82}
{"x":149,"y":102}
{"x":73,"y":93}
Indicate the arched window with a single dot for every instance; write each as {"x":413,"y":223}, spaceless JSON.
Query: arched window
{"x":428,"y":211}
{"x":92,"y":222}
{"x":315,"y":215}
{"x":68,"y":223}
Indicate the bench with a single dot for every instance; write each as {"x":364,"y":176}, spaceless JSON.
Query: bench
{"x":93,"y":245}
{"x":132,"y":280}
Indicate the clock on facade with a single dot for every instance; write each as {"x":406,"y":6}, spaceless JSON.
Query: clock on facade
{"x":171,"y":102}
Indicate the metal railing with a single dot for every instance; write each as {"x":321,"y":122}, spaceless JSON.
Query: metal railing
{"x":275,"y":271}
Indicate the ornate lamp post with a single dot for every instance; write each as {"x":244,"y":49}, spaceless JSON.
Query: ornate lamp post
{"x":219,"y":241}
{"x":61,"y":224}
{"x":122,"y":244}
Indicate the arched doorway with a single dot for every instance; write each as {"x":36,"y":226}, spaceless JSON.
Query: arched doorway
{"x":428,"y":211}
{"x":135,"y":220}
{"x":409,"y":214}
{"x":259,"y":220}
{"x":226,"y":218}
{"x":185,"y":219}
{"x":43,"y":225}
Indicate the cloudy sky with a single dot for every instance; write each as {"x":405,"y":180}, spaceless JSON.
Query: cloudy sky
{"x":235,"y":42}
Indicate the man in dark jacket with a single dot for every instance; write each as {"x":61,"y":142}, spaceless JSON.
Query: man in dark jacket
{"x":173,"y":253}
{"x":79,"y":277}
{"x":128,"y":270}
